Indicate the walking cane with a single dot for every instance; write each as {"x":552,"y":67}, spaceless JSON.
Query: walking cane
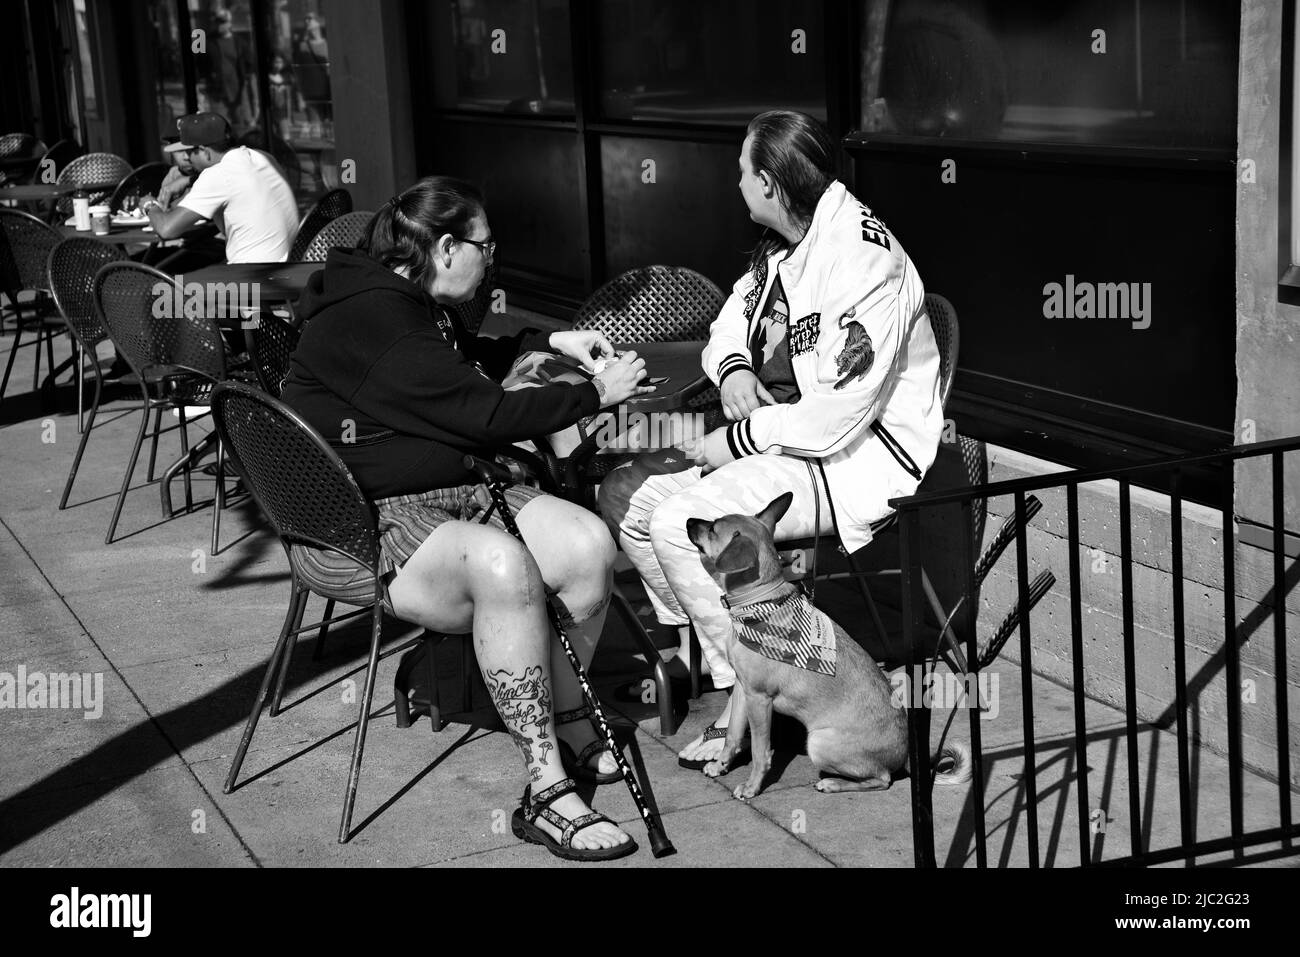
{"x":492,"y":476}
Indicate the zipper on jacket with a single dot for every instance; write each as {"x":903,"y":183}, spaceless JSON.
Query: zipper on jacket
{"x":896,"y":450}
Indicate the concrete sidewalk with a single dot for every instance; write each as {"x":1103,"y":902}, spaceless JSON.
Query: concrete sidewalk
{"x":181,"y":638}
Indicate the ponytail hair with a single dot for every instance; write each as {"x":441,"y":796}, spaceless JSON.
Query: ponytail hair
{"x":799,"y":154}
{"x":406,"y":229}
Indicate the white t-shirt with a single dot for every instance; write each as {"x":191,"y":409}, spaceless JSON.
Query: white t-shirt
{"x":251,"y":202}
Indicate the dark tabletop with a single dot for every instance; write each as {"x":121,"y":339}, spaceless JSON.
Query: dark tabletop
{"x":276,"y":282}
{"x":680,"y":362}
{"x":117,"y":235}
{"x":41,"y":191}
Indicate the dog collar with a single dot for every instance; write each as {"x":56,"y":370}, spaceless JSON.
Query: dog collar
{"x":790,"y":630}
{"x":770,"y":593}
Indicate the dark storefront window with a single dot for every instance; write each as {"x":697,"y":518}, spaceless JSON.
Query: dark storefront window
{"x":227,"y":63}
{"x":169,"y":72}
{"x":717,"y":62}
{"x":1157,"y":74}
{"x":503,"y":56}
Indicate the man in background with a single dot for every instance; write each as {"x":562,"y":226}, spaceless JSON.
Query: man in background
{"x":238,"y":188}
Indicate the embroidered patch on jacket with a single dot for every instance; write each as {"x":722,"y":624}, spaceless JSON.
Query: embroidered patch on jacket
{"x":873,"y":230}
{"x":789,"y":630}
{"x":857,"y":356}
{"x":803,"y":334}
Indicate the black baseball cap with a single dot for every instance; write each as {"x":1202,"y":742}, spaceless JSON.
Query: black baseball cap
{"x":200,"y":129}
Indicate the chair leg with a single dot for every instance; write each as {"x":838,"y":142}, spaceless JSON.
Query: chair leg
{"x":402,"y":684}
{"x":185,"y":452}
{"x":13,"y":352}
{"x":36,"y":374}
{"x":219,"y":500}
{"x":85,"y":436}
{"x":294,"y":622}
{"x":358,"y":748}
{"x":153,"y":446}
{"x":81,"y":382}
{"x":130,"y":468}
{"x":260,"y":701}
{"x":949,"y":647}
{"x":49,"y":354}
{"x":318,"y":651}
{"x":663,"y":684}
{"x":694,"y":653}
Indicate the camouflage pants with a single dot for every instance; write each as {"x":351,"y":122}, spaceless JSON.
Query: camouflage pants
{"x":646,"y":504}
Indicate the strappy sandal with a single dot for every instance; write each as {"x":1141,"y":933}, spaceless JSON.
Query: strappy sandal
{"x":578,"y":765}
{"x":711,"y":733}
{"x":523,"y":824}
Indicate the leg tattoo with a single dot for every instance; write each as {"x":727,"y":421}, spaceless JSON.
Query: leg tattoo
{"x":524,"y":703}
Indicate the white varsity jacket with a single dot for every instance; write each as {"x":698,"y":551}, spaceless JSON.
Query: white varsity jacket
{"x":863,"y":355}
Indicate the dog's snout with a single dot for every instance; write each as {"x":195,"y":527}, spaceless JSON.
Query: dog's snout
{"x":696,"y":530}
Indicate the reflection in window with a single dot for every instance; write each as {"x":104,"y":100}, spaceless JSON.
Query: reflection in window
{"x":502,"y":55}
{"x":169,"y":74}
{"x":227,"y":67}
{"x":300,"y":101}
{"x":721,"y":62}
{"x":90,"y":103}
{"x":1149,"y":73}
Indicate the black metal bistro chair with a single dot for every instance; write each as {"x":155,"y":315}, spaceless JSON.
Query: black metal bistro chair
{"x":335,"y":203}
{"x":271,"y":345}
{"x":72,"y":266}
{"x":319,"y":514}
{"x":943,"y":322}
{"x":346,"y":230}
{"x":177,"y":360}
{"x":25,"y":247}
{"x":93,"y":169}
{"x":142,"y":180}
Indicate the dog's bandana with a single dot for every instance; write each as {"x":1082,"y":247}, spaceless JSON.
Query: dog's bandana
{"x":789,"y":630}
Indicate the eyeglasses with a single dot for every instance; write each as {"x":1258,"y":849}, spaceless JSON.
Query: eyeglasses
{"x":489,"y":246}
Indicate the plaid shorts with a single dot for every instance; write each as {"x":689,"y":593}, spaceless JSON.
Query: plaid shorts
{"x":405,"y":521}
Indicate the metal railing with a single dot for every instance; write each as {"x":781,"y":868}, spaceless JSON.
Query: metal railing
{"x":910,"y":511}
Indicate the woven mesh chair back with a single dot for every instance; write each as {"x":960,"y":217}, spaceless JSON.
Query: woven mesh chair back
{"x":653,"y":304}
{"x":943,"y":320}
{"x":29,"y":243}
{"x":335,"y":203}
{"x":17,"y":144}
{"x":72,"y":267}
{"x":345,"y":230}
{"x":303,"y":487}
{"x":273,"y":343}
{"x":139,"y":308}
{"x":58,"y":156}
{"x":92,"y":168}
{"x":143,"y":179}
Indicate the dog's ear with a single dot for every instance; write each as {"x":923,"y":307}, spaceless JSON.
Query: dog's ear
{"x":774,"y":510}
{"x":739,"y":554}
{"x":697,"y":530}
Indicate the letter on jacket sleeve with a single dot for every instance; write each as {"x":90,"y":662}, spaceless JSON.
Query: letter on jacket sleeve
{"x":851,"y":389}
{"x":422,"y":386}
{"x":728,"y":348}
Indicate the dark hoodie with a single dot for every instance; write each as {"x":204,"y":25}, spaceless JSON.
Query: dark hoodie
{"x":376,"y":351}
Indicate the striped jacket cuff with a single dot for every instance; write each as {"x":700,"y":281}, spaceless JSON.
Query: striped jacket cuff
{"x":741,"y":440}
{"x":731,"y":363}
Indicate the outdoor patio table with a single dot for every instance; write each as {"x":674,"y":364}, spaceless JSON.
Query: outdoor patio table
{"x":276,"y":282}
{"x":117,"y":235}
{"x":679,"y":362}
{"x":37,"y":192}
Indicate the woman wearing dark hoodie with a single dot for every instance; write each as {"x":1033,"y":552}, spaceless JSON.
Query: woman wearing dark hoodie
{"x":402,"y":392}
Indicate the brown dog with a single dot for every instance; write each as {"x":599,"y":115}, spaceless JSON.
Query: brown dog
{"x":791,"y":657}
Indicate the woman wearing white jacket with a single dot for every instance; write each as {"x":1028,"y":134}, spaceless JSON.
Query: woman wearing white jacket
{"x":829,"y":375}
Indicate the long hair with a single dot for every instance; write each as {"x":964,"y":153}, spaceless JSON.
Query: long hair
{"x":405,"y":230}
{"x":799,"y":154}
